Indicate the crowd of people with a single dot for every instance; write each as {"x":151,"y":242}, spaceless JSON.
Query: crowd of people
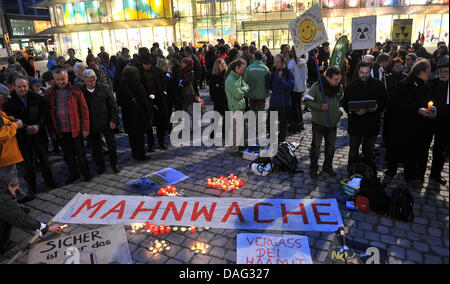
{"x":77,"y":101}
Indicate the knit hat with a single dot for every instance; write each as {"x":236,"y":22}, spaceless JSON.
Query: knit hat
{"x":442,"y":62}
{"x":4,"y":91}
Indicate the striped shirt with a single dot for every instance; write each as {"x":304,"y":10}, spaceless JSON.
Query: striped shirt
{"x":62,"y":112}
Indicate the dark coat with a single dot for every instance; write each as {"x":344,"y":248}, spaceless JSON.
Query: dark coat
{"x":35,"y":113}
{"x":136,"y":111}
{"x":187,"y":89}
{"x":368,"y":124}
{"x":217,"y":91}
{"x":281,"y":88}
{"x":28,"y":67}
{"x":11,"y":213}
{"x":406,"y":126}
{"x":102,"y":107}
{"x":439,"y":91}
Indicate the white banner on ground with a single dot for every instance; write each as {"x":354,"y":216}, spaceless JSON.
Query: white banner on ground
{"x":226,"y":213}
{"x":364,"y":32}
{"x":272,"y":249}
{"x":308,"y":30}
{"x":107,"y":245}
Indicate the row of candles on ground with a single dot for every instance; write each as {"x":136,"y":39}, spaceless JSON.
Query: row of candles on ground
{"x":161,"y":229}
{"x":169,"y":190}
{"x":229,"y":183}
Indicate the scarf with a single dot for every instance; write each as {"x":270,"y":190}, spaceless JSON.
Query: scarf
{"x":330,"y":91}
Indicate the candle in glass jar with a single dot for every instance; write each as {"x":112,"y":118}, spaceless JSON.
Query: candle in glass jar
{"x":430,"y":105}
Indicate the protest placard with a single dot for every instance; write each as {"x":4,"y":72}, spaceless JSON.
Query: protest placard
{"x":308,"y":30}
{"x":272,"y":249}
{"x":107,"y":245}
{"x":364,"y":32}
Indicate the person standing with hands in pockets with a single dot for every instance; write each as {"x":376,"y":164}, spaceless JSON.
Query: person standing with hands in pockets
{"x":69,"y":123}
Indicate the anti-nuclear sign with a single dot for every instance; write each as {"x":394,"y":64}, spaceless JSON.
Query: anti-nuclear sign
{"x":402,"y":31}
{"x":364,"y":32}
{"x":308,"y":30}
{"x":107,"y":245}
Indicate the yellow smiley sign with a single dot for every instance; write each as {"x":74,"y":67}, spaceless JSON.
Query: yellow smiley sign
{"x":307,"y":30}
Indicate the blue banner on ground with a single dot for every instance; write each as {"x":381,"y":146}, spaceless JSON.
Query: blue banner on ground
{"x":153,"y":182}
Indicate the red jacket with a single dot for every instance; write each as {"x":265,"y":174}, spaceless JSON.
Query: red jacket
{"x":78,"y":111}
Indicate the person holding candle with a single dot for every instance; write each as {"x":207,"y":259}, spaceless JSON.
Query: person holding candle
{"x":412,"y":121}
{"x":440,"y":91}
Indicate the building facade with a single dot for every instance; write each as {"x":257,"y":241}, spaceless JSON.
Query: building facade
{"x":134,"y":23}
{"x":23,"y":25}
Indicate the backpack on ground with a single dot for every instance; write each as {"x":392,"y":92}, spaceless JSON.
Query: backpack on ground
{"x":371,"y":188}
{"x":285,"y":159}
{"x":401,"y":205}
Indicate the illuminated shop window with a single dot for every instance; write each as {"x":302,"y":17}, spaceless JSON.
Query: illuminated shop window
{"x":280,"y":37}
{"x":85,"y":43}
{"x":117,"y":10}
{"x":92,"y":12}
{"x":52,"y":16}
{"x":251,"y":36}
{"x":266,"y":38}
{"x":121,"y":38}
{"x":305,"y":5}
{"x":67,"y":12}
{"x":432,"y":29}
{"x":242,"y":7}
{"x":418,"y":25}
{"x":130,"y":10}
{"x":352,"y":3}
{"x":288,"y":5}
{"x":134,"y":40}
{"x":258,"y":6}
{"x":75,"y":44}
{"x":332,"y":4}
{"x":444,"y":29}
{"x":96,"y":41}
{"x":182,"y":8}
{"x":147,"y":36}
{"x":229,"y":35}
{"x":384,"y":27}
{"x":335,"y":29}
{"x":153,"y":9}
{"x":273,"y":6}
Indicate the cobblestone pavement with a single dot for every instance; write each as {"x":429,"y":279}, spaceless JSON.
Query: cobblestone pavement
{"x":424,"y":240}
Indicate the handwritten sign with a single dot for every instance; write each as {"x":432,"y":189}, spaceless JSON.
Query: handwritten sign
{"x":308,"y":30}
{"x":227,"y":213}
{"x":107,"y":245}
{"x":272,"y":249}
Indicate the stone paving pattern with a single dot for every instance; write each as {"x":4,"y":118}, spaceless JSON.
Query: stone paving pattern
{"x":424,"y":240}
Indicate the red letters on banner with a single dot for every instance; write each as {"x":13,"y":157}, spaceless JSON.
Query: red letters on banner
{"x":140,"y":209}
{"x":88,"y":204}
{"x":234,"y":206}
{"x":256,"y":213}
{"x":176,"y":214}
{"x":317,"y":214}
{"x":120,"y":205}
{"x":208,"y":215}
{"x":286,"y":213}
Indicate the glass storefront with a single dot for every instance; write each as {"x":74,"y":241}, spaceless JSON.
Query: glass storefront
{"x":205,"y":21}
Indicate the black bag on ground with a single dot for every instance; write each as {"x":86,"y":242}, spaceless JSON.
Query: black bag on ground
{"x":372,"y":188}
{"x":401,"y":205}
{"x":285,"y":159}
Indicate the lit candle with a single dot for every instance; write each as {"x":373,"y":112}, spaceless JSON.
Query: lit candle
{"x":168,"y":229}
{"x":192,"y":229}
{"x":430,"y":105}
{"x":156,"y":231}
{"x":161,"y":229}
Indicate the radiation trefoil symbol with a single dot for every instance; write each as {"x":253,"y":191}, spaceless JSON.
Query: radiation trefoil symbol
{"x":307,"y":30}
{"x":363,"y":32}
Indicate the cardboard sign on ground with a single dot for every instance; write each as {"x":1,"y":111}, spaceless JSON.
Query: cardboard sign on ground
{"x":272,"y":249}
{"x":153,"y":182}
{"x":107,"y":245}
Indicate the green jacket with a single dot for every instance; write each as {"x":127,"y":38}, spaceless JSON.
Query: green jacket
{"x":314,"y":101}
{"x":255,"y":76}
{"x":235,"y":88}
